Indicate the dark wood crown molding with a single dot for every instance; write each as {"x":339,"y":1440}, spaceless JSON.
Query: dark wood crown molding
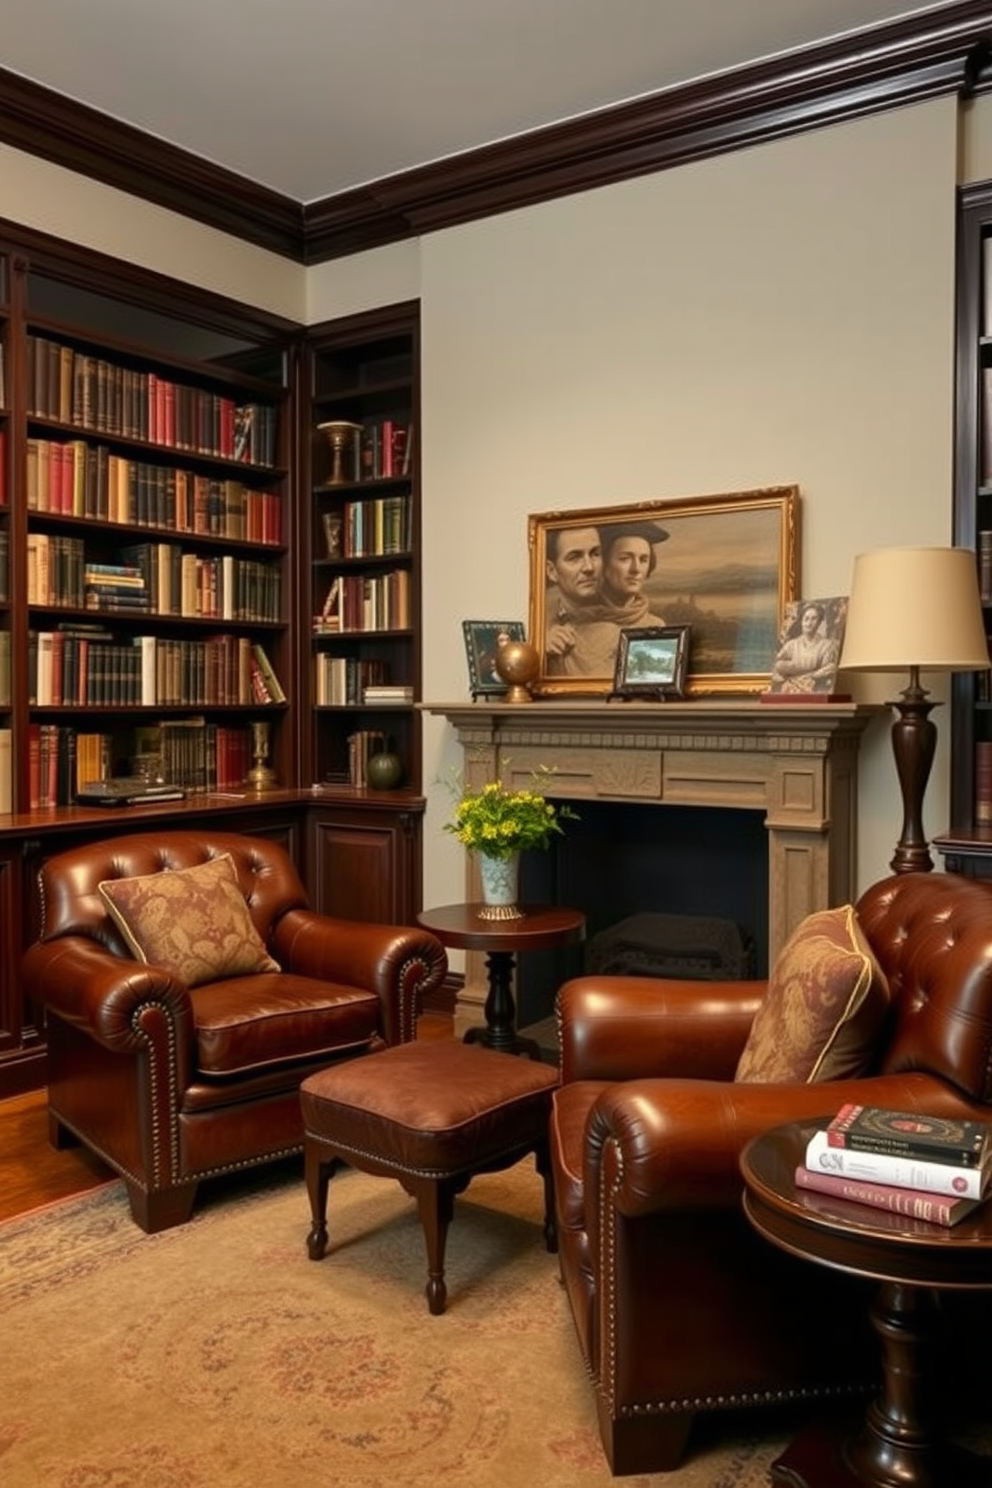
{"x":920,"y":57}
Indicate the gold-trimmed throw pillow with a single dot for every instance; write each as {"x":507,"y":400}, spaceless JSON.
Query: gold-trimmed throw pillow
{"x":821,"y":1016}
{"x":194,"y":922}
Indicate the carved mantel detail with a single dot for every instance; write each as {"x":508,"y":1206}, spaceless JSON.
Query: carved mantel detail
{"x":795,"y":762}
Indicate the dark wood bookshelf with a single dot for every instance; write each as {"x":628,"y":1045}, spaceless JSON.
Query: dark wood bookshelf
{"x":965,"y":844}
{"x":363,"y":378}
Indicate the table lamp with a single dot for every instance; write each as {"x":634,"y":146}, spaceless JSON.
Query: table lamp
{"x":915,"y":608}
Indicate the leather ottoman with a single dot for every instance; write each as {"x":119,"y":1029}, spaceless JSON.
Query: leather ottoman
{"x":430,"y":1115}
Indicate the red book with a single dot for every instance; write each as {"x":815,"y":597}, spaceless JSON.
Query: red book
{"x":914,"y":1203}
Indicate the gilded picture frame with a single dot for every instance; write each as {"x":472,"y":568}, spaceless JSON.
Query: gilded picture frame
{"x":724,"y":565}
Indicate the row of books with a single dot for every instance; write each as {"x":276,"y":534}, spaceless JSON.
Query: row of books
{"x":89,"y":392}
{"x":932,"y":1168}
{"x":368,"y":529}
{"x":79,"y":668}
{"x":196,"y":755}
{"x":5,"y":688}
{"x":362,"y":745}
{"x":77,"y":479}
{"x":357,"y":602}
{"x":340,"y":681}
{"x":152,"y":578}
{"x":3,"y":459}
{"x":4,"y":565}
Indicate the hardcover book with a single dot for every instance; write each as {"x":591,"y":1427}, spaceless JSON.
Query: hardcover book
{"x":897,"y":1170}
{"x":945,"y":1139}
{"x":914,"y":1203}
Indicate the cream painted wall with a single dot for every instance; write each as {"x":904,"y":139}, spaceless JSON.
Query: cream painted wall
{"x":782,"y":314}
{"x":345,"y":286}
{"x":52,"y":200}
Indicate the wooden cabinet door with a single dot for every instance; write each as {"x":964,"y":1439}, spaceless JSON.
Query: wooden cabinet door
{"x":364,"y":864}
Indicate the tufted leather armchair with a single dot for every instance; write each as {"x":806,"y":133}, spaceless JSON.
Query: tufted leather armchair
{"x":681,"y":1308}
{"x":171,"y":1085}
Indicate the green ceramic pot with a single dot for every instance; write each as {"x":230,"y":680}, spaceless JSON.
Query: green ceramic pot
{"x":384,"y":771}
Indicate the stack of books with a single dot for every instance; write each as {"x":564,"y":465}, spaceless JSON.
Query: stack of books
{"x":935,"y":1168}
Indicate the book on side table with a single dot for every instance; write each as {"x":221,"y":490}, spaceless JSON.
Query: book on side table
{"x":944,"y":1139}
{"x":913,"y":1202}
{"x":897,"y":1170}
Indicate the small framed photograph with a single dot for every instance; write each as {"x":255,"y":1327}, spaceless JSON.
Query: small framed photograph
{"x":652,"y":662}
{"x":482,"y":640}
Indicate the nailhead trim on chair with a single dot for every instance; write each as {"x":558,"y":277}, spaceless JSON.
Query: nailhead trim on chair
{"x":395,"y":1167}
{"x":690,"y":1403}
{"x":154,"y":1077}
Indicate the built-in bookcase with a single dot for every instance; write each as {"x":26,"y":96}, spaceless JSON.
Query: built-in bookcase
{"x":6,"y":732}
{"x":971,"y":775}
{"x":149,"y":523}
{"x":363,"y":604}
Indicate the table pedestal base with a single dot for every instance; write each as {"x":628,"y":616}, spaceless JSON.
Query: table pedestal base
{"x":500,"y":1030}
{"x":900,"y":1445}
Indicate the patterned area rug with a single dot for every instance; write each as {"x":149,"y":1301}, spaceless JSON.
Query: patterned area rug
{"x":217,"y":1353}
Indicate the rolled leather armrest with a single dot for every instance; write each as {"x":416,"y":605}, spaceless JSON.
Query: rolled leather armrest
{"x":619,"y":1028}
{"x":106,"y":996}
{"x":676,"y":1144}
{"x":399,"y":963}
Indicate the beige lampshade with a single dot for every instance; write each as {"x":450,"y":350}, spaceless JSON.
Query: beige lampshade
{"x":915,"y":607}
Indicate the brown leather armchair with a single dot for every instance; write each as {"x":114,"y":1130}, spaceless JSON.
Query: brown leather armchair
{"x":171,"y":1084}
{"x":680,"y":1308}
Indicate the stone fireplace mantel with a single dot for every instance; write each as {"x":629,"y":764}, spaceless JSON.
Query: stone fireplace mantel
{"x":796,"y":763}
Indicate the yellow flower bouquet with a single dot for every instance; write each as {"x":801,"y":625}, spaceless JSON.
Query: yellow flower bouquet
{"x":499,"y":822}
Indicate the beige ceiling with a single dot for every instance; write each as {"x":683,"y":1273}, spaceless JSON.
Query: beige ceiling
{"x":312,"y":97}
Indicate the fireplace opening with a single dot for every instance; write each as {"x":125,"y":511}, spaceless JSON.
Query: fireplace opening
{"x":622,"y":860}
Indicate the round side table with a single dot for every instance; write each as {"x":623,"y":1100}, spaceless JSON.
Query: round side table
{"x":459,"y":926}
{"x":900,"y":1442}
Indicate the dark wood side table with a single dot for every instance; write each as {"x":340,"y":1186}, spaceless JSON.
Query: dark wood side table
{"x":540,"y":926}
{"x":900,"y":1444}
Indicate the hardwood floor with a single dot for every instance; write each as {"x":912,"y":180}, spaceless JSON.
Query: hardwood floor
{"x":34,"y":1173}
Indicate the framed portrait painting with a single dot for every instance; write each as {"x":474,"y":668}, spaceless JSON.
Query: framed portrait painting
{"x":725,"y":566}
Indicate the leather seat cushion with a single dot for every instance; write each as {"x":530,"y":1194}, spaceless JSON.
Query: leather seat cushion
{"x":247,"y":1023}
{"x":433,"y":1109}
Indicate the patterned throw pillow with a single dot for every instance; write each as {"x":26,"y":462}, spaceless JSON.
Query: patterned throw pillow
{"x":193,"y":922}
{"x":821,"y":1016}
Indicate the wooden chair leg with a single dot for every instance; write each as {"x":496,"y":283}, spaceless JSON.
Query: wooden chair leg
{"x":436,"y":1203}
{"x":319,"y":1171}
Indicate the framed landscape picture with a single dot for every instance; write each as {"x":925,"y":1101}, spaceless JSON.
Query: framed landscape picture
{"x":726,"y":566}
{"x":482,"y":638}
{"x":651,"y":662}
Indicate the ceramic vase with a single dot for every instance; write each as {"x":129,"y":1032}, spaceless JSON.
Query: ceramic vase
{"x":500,"y":882}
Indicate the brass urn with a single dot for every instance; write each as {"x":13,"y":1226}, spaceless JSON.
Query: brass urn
{"x":517,"y":663}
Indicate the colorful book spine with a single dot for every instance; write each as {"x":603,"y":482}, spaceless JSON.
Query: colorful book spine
{"x":896,"y":1171}
{"x":914,"y":1203}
